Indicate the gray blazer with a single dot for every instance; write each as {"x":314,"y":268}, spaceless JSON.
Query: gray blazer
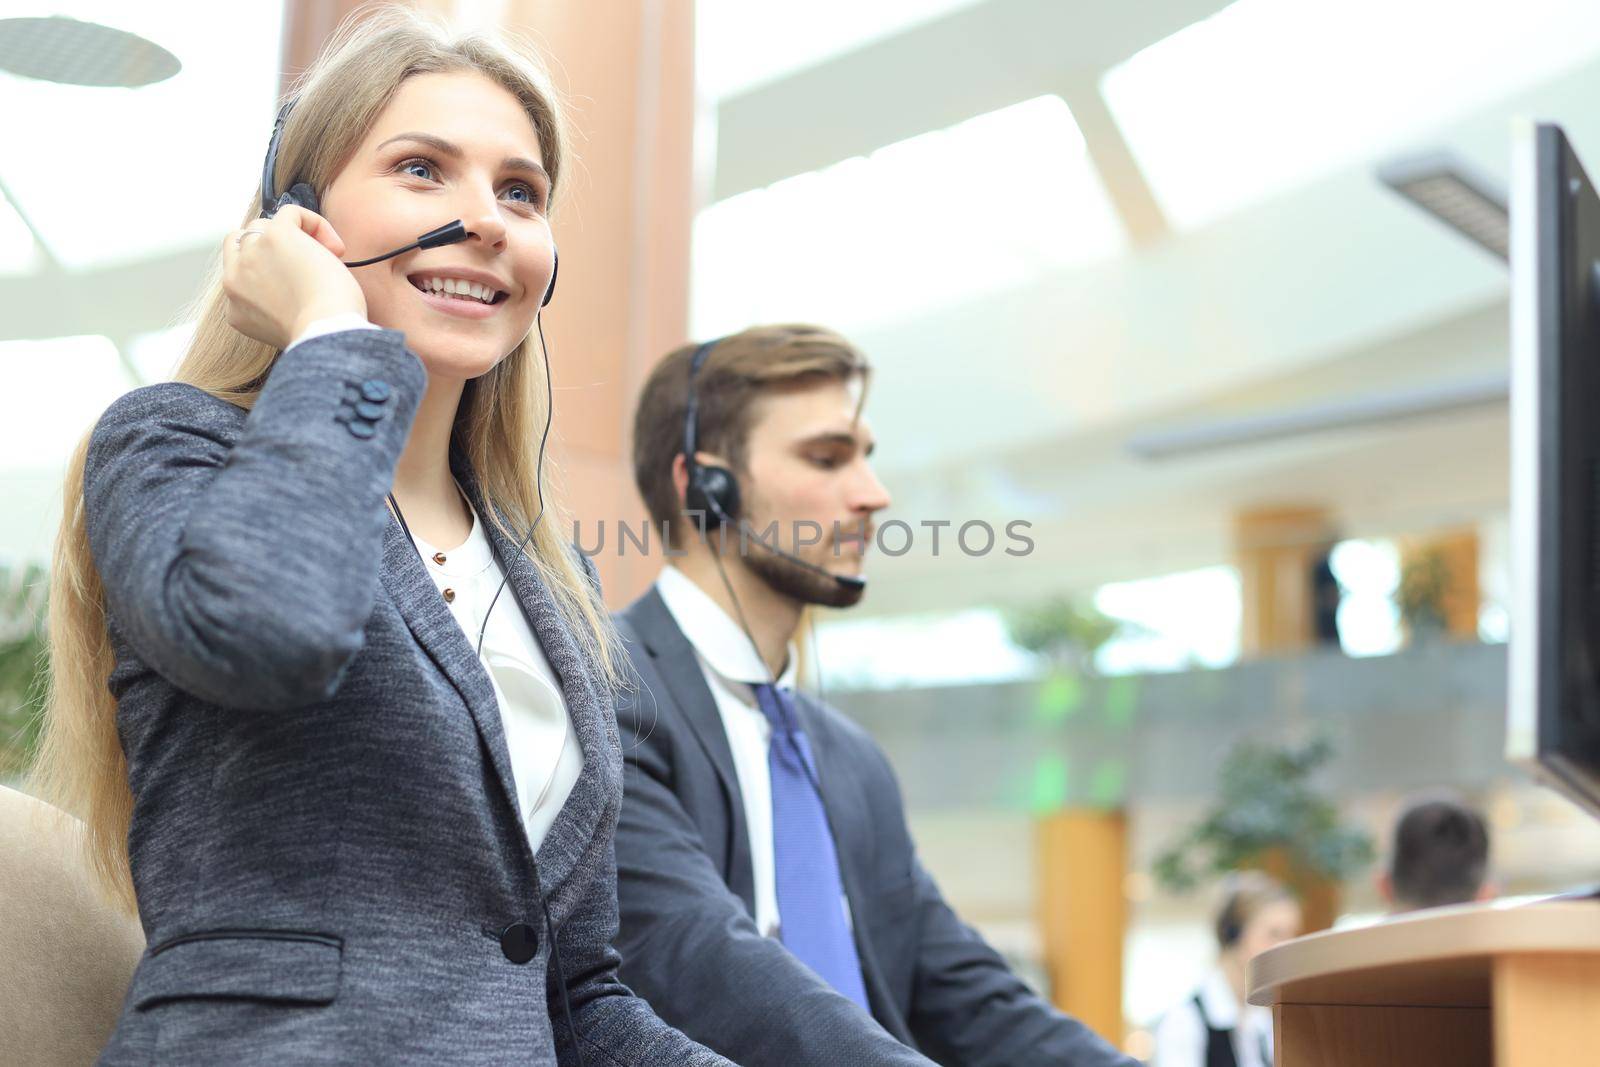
{"x":690,"y":944}
{"x":329,"y":861}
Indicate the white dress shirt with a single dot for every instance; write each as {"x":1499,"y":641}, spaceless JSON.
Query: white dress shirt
{"x":731,"y":667}
{"x":546,"y":757}
{"x":1181,"y":1035}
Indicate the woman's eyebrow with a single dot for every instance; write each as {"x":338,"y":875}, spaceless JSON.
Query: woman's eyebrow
{"x":440,"y":145}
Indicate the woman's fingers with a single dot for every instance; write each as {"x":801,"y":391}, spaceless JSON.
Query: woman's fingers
{"x":275,"y":279}
{"x":319,"y":228}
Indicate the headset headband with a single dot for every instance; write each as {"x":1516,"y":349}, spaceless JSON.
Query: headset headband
{"x":691,"y":413}
{"x":269,"y":196}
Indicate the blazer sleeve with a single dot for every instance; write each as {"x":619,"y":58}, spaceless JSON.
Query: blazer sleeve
{"x":694,"y":952}
{"x":968,"y":1008}
{"x":244,"y":571}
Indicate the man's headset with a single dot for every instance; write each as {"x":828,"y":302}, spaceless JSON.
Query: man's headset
{"x":713,"y":491}
{"x":302,"y":195}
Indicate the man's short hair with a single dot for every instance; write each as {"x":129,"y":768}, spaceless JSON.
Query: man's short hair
{"x":1440,"y":853}
{"x":740,"y":370}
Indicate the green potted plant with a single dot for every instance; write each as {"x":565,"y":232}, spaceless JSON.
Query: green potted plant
{"x":1268,"y":817}
{"x":1062,"y":633}
{"x":1420,"y":596}
{"x":23,"y":664}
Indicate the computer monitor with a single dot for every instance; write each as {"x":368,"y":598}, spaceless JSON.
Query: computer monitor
{"x":1553,"y":724}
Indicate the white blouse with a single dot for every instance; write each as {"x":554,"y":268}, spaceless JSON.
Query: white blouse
{"x":1181,"y":1034}
{"x":546,"y":757}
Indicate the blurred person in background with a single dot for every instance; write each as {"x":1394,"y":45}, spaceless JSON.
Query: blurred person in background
{"x":351,"y":837}
{"x":773,"y":905}
{"x":1438,"y":855}
{"x":1216,"y":1027}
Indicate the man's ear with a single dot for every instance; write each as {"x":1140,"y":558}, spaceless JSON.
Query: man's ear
{"x":680,"y":479}
{"x":1385,"y":887}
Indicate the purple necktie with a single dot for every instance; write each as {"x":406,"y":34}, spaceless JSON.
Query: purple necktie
{"x":811,"y":904}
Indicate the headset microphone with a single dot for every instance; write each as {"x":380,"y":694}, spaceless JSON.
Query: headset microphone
{"x":848,"y":581}
{"x":447,"y":234}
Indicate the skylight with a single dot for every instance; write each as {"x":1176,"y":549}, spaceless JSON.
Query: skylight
{"x":740,"y":45}
{"x":1178,"y":621}
{"x":1267,"y":94}
{"x":962,"y":648}
{"x":113,"y":175}
{"x":985,"y":204}
{"x":19,"y":252}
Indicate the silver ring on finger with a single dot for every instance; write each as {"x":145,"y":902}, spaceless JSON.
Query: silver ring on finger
{"x":238,"y":238}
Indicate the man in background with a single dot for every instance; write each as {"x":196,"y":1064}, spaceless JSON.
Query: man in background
{"x":773,"y":905}
{"x":1439,"y":855}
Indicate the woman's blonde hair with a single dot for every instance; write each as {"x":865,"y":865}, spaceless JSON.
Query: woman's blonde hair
{"x":81,"y":766}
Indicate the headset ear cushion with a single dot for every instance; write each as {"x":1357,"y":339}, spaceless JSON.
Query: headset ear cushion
{"x":714,"y":492}
{"x":301,"y":195}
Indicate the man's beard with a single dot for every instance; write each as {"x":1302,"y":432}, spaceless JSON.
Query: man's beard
{"x":789,"y":579}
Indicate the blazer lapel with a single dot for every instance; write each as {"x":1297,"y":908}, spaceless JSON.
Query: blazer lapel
{"x":437,"y":631}
{"x":572,"y":839}
{"x":678,"y":665}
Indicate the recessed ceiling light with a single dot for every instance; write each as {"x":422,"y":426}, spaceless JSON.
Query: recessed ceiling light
{"x":66,"y":50}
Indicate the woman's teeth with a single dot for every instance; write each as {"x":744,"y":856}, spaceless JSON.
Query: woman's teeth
{"x":461,"y":289}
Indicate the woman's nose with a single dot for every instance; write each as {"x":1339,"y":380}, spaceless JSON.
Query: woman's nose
{"x":480,"y":214}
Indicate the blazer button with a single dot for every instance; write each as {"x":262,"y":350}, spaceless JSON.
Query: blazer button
{"x":520,"y":942}
{"x":359,"y":429}
{"x":375,"y":390}
{"x":369,"y":411}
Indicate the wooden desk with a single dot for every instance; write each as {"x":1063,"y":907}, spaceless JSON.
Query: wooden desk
{"x":1472,"y":986}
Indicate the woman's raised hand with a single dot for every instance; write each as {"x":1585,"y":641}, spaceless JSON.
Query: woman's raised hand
{"x":283,"y":273}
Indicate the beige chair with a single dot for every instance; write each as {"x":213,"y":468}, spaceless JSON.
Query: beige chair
{"x":66,"y":952}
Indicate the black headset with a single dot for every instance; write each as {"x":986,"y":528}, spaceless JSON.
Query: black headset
{"x":1229,"y":928}
{"x":302,"y":195}
{"x":713,"y":491}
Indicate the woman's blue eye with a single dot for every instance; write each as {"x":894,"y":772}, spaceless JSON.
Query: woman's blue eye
{"x":533,"y":194}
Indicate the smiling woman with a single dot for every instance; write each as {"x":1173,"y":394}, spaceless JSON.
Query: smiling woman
{"x":350,"y":835}
{"x":407,"y":177}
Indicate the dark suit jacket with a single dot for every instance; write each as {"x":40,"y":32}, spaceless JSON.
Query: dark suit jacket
{"x":325,"y":842}
{"x":689,"y":942}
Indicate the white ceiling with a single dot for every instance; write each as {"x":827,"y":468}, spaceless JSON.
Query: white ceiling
{"x":1289,"y":276}
{"x":1001,"y":399}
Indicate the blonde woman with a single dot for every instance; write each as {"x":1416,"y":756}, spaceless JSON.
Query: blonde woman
{"x":364,"y":805}
{"x":1216,"y":1026}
